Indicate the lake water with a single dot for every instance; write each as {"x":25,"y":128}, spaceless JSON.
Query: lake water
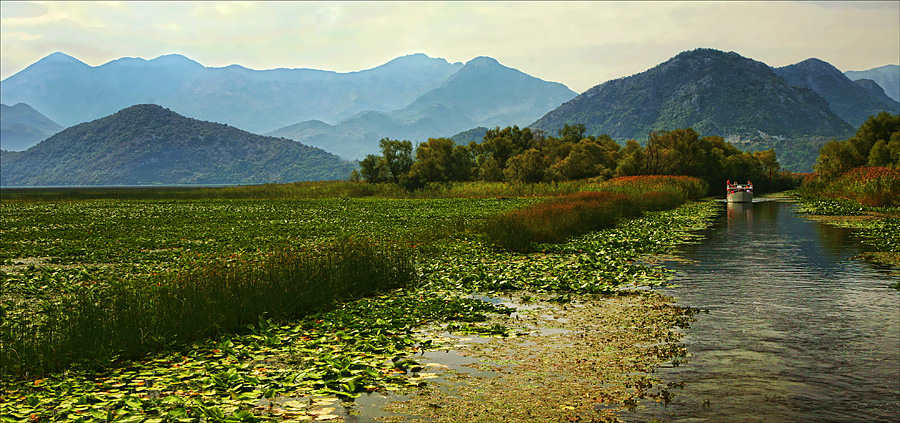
{"x":795,"y":329}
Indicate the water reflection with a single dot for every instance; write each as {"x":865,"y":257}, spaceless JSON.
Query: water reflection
{"x":739,"y":213}
{"x":795,"y":330}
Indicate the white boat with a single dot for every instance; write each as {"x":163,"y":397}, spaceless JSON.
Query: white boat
{"x":739,"y":193}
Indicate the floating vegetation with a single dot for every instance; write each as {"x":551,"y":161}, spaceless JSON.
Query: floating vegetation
{"x":597,"y":354}
{"x":878,"y":226}
{"x":257,"y":356}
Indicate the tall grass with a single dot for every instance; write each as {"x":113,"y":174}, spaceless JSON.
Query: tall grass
{"x":132,"y":317}
{"x":599,"y":206}
{"x":313,"y":189}
{"x":869,"y":186}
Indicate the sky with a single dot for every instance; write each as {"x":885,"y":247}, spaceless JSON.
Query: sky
{"x":580,"y":44}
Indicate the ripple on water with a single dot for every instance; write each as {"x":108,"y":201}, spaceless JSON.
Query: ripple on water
{"x":795,"y":331}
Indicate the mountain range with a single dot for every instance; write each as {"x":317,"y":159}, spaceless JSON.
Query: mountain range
{"x":793,"y":109}
{"x":71,"y":92}
{"x":715,"y":92}
{"x":413,"y":96}
{"x":888,"y":77}
{"x":152,"y":145}
{"x":851,"y":101}
{"x":482,"y":93}
{"x":21,"y":127}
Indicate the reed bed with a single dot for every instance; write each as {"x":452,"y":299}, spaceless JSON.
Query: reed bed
{"x":869,"y":186}
{"x":600,"y":205}
{"x":298,"y":190}
{"x":128,"y":318}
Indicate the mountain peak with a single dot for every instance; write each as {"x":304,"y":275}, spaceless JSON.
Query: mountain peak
{"x":411,"y":61}
{"x":483,"y":61}
{"x":816,"y":65}
{"x":715,"y":92}
{"x":59,"y":57}
{"x":175,"y":59}
{"x":850,"y":101}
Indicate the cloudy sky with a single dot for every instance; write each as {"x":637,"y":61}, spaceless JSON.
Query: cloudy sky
{"x":579,"y":44}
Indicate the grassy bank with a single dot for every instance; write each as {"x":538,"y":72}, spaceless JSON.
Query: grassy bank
{"x":865,"y":198}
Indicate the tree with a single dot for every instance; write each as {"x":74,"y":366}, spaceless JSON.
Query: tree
{"x":633,"y":161}
{"x":397,"y":157}
{"x":587,"y":159}
{"x":489,"y":170}
{"x":879,"y":127}
{"x":572,"y":133}
{"x":835,"y":158}
{"x":373,"y":169}
{"x":768,"y":160}
{"x":526,"y":167}
{"x":879,"y":155}
{"x":462,"y":165}
{"x":433,"y":161}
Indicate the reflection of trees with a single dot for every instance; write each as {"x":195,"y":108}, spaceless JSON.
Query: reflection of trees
{"x":836,"y":239}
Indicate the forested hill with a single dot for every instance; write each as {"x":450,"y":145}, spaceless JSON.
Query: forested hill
{"x":151,"y":145}
{"x":714,"y":92}
{"x":850,"y":101}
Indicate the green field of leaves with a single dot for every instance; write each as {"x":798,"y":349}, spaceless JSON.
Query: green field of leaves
{"x":282,"y":365}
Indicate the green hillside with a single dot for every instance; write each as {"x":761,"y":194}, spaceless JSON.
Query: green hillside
{"x":714,"y":92}
{"x":151,"y":145}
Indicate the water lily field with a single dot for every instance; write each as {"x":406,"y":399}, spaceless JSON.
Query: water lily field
{"x":328,"y":308}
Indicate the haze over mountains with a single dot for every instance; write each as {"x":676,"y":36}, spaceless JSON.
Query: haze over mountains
{"x":482,"y":93}
{"x":71,"y":92}
{"x":415,"y":95}
{"x":21,"y":127}
{"x":888,"y":77}
{"x":793,"y":109}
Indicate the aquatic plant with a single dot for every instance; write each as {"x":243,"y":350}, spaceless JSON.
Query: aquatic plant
{"x":129,"y":317}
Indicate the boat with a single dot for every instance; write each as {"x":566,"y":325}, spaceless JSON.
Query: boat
{"x":739,"y":193}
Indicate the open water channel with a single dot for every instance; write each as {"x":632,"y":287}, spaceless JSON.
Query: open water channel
{"x":795,"y":330}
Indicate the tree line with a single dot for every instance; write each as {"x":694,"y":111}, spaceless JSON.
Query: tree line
{"x":519,"y":155}
{"x":876,"y":143}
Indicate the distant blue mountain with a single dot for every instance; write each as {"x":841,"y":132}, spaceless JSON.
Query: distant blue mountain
{"x":70,"y":92}
{"x":22,"y":127}
{"x":482,"y":93}
{"x":888,"y":77}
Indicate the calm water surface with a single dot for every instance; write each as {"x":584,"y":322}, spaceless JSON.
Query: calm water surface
{"x":796,"y":331}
